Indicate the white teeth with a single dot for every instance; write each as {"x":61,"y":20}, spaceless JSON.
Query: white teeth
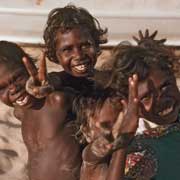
{"x":23,"y":101}
{"x":81,"y":67}
{"x":166,"y":111}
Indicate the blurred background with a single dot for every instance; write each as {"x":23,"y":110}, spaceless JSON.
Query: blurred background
{"x":23,"y":20}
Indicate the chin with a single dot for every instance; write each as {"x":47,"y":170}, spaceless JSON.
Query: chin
{"x":80,"y":75}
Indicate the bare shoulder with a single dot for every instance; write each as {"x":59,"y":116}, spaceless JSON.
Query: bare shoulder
{"x":60,"y":98}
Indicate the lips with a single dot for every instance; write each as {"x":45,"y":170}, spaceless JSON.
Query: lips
{"x":166,"y":111}
{"x":22,"y":101}
{"x":81,"y":67}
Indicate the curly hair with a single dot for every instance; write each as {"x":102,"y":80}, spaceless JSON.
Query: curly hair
{"x":11,"y":55}
{"x":129,"y":60}
{"x":67,"y":18}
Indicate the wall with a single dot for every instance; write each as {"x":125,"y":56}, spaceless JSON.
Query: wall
{"x":24,"y":20}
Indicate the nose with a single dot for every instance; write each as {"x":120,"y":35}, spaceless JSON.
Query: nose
{"x":78,"y":53}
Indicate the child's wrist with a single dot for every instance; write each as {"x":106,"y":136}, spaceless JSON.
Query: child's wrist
{"x":122,"y":141}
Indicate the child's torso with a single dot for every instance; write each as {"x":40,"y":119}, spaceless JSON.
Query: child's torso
{"x":53,"y":152}
{"x":156,"y":154}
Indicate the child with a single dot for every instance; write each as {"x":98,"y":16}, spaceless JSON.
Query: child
{"x":159,"y":99}
{"x":154,"y":94}
{"x":100,"y":116}
{"x":47,"y":128}
{"x":72,"y":39}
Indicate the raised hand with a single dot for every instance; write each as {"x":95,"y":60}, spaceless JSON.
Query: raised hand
{"x":127,"y":122}
{"x":37,"y":85}
{"x":147,"y":40}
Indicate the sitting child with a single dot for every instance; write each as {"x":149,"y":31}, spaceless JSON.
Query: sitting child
{"x":47,"y":128}
{"x":153,"y":94}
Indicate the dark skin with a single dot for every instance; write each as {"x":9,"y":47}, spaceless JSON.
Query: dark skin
{"x":159,"y":102}
{"x":76,"y":52}
{"x":148,"y":40}
{"x":46,"y":129}
{"x":95,"y":163}
{"x":71,"y":51}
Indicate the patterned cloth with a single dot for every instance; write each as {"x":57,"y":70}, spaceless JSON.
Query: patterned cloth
{"x":155,"y":154}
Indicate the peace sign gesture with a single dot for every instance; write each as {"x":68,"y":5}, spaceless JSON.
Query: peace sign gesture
{"x":127,"y":122}
{"x":37,"y":85}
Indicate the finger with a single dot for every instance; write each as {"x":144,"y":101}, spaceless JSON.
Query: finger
{"x":133,"y":82}
{"x":109,"y":146}
{"x":130,"y":89}
{"x":30,"y":67}
{"x":133,"y":96}
{"x":124,"y":105}
{"x":161,"y":41}
{"x":146,"y":33}
{"x":140,"y":34}
{"x":142,"y":109}
{"x":42,"y":73}
{"x":136,"y":39}
{"x":117,"y":125}
{"x":153,"y":34}
{"x":35,"y":91}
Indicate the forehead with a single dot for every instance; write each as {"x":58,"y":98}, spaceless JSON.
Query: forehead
{"x":107,"y":112}
{"x":155,"y":79}
{"x":73,"y":35}
{"x":159,"y":76}
{"x":7,"y":71}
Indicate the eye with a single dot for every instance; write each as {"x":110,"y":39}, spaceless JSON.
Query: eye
{"x":86,"y":45}
{"x":106,"y":125}
{"x":146,"y":98}
{"x":66,"y":49}
{"x":3,"y":87}
{"x":165,"y":86}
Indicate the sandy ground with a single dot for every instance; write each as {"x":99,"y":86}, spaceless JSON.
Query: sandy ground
{"x":13,"y":154}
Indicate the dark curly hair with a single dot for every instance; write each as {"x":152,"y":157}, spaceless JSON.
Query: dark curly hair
{"x":67,"y":18}
{"x":11,"y":55}
{"x":129,"y":60}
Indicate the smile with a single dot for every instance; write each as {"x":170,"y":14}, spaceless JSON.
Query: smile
{"x":22,"y":101}
{"x":166,"y":111}
{"x":81,"y":68}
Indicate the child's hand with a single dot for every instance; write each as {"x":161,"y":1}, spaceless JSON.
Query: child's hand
{"x":127,"y":122}
{"x":101,"y":147}
{"x":37,"y":85}
{"x":147,"y":40}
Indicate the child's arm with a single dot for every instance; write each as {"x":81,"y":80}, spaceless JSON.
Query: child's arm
{"x":117,"y":165}
{"x":95,"y":164}
{"x":126,"y":126}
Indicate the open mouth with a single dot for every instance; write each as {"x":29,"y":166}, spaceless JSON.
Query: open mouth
{"x":22,"y":101}
{"x":166,"y":111}
{"x":81,"y":67}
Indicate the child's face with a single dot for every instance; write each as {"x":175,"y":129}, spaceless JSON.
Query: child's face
{"x":76,"y":52}
{"x":103,"y":120}
{"x":160,"y":97}
{"x":12,"y":86}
